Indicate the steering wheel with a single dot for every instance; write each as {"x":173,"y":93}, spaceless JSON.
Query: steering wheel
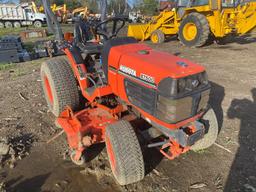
{"x":99,"y":29}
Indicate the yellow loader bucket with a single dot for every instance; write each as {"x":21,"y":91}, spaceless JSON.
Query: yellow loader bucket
{"x":138,"y":31}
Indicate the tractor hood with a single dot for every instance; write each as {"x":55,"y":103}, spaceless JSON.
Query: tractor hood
{"x":143,"y":62}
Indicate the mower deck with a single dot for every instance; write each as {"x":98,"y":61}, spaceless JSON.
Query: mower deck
{"x":84,"y":128}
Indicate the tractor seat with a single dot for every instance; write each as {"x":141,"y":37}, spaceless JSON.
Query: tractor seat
{"x":90,"y":48}
{"x":82,"y":37}
{"x":107,"y":47}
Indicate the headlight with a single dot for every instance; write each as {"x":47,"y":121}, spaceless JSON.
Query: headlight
{"x":173,"y":87}
{"x":182,"y":85}
{"x":203,"y":78}
{"x":168,"y":87}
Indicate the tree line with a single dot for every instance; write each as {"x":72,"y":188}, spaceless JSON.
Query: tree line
{"x":147,"y":7}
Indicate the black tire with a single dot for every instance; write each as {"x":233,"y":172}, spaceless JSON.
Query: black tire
{"x":211,"y":125}
{"x":1,"y":25}
{"x":17,"y":24}
{"x":160,"y":36}
{"x":58,"y":77}
{"x":203,"y":30}
{"x":38,"y":24}
{"x":8,"y":24}
{"x":122,"y":143}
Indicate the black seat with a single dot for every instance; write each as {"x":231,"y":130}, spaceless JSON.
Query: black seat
{"x":90,"y":48}
{"x":83,"y":36}
{"x":107,"y":47}
{"x":82,"y":31}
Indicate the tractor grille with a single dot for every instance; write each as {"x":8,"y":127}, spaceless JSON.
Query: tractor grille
{"x":141,"y":96}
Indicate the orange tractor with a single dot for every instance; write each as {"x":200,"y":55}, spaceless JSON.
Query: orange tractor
{"x":121,"y":81}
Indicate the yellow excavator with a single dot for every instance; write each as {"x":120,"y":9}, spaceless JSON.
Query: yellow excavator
{"x":196,"y":21}
{"x":80,"y":11}
{"x":41,"y":8}
{"x":60,"y":11}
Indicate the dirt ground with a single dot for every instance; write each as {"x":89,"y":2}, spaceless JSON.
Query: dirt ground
{"x":228,"y":166}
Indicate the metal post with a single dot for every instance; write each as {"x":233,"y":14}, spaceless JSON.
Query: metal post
{"x":103,"y":7}
{"x":52,"y":22}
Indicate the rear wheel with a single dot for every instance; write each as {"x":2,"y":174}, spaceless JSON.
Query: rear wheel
{"x":59,"y":85}
{"x":212,"y":130}
{"x":1,"y":25}
{"x":194,"y":30}
{"x":38,"y":24}
{"x":17,"y":24}
{"x":8,"y":24}
{"x":124,"y":153}
{"x":157,"y":36}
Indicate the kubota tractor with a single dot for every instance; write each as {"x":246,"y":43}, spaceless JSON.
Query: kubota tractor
{"x":123,"y":80}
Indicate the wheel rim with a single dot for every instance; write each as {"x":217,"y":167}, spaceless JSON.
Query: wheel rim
{"x":48,"y":90}
{"x":17,"y":25}
{"x":79,"y":162}
{"x":190,"y":31}
{"x":154,"y":38}
{"x":111,"y":154}
{"x":37,"y":24}
{"x":8,"y":25}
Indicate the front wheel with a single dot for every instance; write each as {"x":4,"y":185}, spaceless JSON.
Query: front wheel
{"x":1,"y":25}
{"x":157,"y":37}
{"x":212,"y":129}
{"x":38,"y":24}
{"x":124,"y":153}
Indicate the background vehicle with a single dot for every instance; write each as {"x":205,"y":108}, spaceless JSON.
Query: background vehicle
{"x":80,"y":11}
{"x":60,"y":11}
{"x":12,"y":15}
{"x":135,"y":17}
{"x":196,"y":21}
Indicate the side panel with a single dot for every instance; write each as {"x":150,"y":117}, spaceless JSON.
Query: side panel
{"x":246,"y":18}
{"x":11,"y":12}
{"x":114,"y":60}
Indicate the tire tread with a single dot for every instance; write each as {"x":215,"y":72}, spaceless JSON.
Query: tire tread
{"x":59,"y":71}
{"x":205,"y":29}
{"x":127,"y":151}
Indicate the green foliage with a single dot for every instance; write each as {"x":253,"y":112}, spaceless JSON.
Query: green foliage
{"x":6,"y":66}
{"x":72,"y":4}
{"x":91,"y":4}
{"x":149,"y":7}
{"x":118,"y":6}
